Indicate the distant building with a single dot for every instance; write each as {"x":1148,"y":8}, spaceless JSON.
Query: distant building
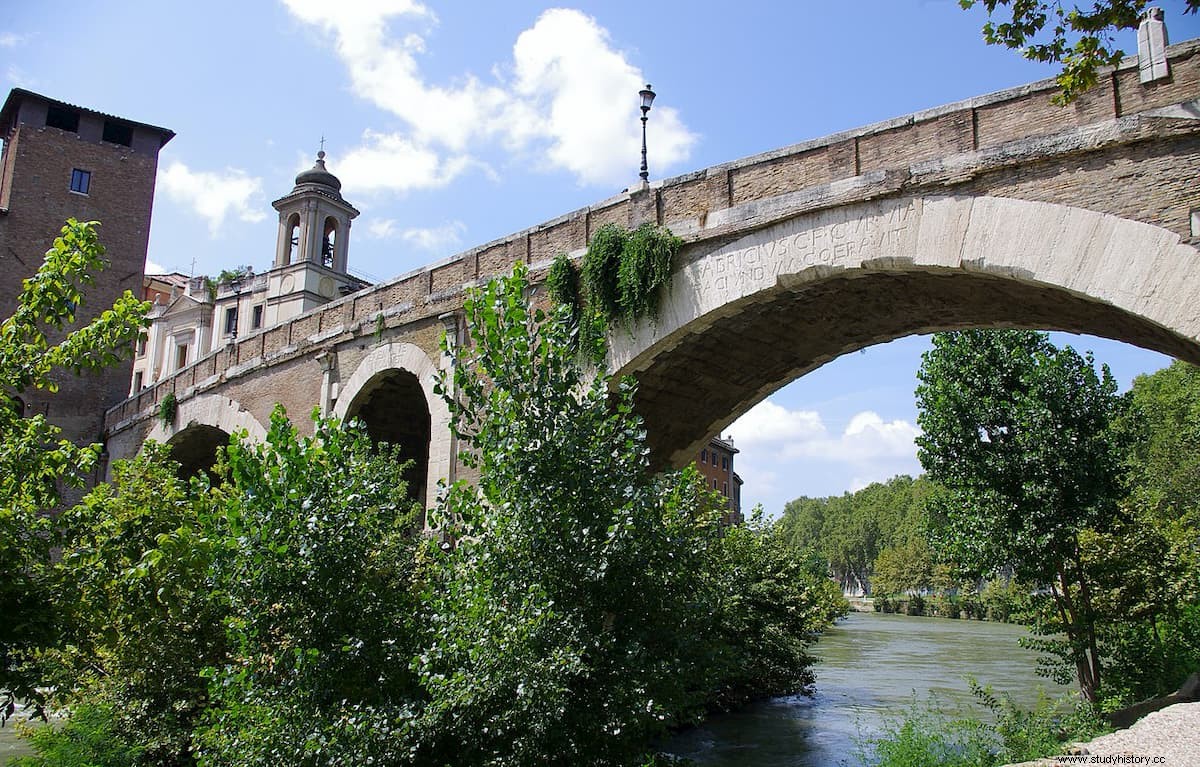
{"x":309,"y":269}
{"x":716,"y":466}
{"x":63,"y":161}
{"x":161,"y":289}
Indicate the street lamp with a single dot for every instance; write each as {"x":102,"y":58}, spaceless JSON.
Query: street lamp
{"x":647,"y":99}
{"x":236,"y":286}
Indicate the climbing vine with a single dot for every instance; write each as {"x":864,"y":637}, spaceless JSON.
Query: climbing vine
{"x":622,"y":279}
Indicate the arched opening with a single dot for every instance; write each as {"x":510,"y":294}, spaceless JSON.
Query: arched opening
{"x":392,"y":406}
{"x":329,"y":242}
{"x":710,"y":377}
{"x":195,"y":448}
{"x":293,"y":235}
{"x":747,"y":315}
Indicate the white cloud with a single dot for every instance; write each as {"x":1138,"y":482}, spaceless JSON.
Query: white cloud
{"x":770,"y":424}
{"x":869,"y":436}
{"x":580,"y":94}
{"x":383,"y":228}
{"x":390,"y":161}
{"x":155,"y":268}
{"x":214,"y":195}
{"x":441,"y":239}
{"x":571,"y":99}
{"x":11,"y":40}
{"x":795,"y":448}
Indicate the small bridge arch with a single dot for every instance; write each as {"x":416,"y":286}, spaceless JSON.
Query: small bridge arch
{"x":392,"y":391}
{"x":201,"y":425}
{"x":753,"y":313}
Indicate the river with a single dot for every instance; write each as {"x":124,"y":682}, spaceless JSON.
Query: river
{"x":869,"y":667}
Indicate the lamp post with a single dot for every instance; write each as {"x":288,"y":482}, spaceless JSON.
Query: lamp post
{"x":647,"y":99}
{"x":236,"y":286}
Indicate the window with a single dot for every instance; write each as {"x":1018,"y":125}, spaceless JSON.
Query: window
{"x":231,"y":321}
{"x":256,"y":318}
{"x":714,"y":483}
{"x":62,"y":118}
{"x":293,"y":238}
{"x":703,"y":456}
{"x":329,"y":242}
{"x":118,"y":133}
{"x":725,"y":488}
{"x":181,"y":356}
{"x":724,"y":463}
{"x":141,"y":346}
{"x":81,"y":180}
{"x":137,"y":382}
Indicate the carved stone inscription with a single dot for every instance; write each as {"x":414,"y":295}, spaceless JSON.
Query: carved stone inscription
{"x":842,"y":237}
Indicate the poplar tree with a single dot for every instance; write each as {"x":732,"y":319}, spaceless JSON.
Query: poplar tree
{"x":1020,"y":433}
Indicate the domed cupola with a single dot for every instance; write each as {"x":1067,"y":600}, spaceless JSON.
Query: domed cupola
{"x":318,"y":178}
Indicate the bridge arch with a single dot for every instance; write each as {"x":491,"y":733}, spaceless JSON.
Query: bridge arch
{"x":201,"y":425}
{"x":392,"y":391}
{"x":751,"y":314}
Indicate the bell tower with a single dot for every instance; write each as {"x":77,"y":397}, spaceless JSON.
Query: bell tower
{"x":310,"y":266}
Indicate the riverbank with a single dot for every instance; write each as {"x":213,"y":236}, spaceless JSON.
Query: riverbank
{"x":1169,"y":737}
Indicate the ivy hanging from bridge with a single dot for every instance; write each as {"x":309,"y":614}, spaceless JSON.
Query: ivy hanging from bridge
{"x":621,"y":281}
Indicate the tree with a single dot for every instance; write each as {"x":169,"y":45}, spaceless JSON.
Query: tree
{"x":1021,"y":435}
{"x":142,"y":617}
{"x":587,"y":603}
{"x":903,"y":569}
{"x":1081,"y":39}
{"x":315,"y":561}
{"x":850,"y":531}
{"x":34,"y":459}
{"x":1149,"y":568}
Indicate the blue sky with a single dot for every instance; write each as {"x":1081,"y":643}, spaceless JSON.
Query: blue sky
{"x":455,"y":123}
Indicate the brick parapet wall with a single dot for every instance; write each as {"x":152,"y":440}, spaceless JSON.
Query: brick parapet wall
{"x":943,"y":146}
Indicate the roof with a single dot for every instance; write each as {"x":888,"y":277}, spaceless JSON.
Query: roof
{"x":178,"y":279}
{"x":17,"y":95}
{"x":724,"y":444}
{"x":317,"y":180}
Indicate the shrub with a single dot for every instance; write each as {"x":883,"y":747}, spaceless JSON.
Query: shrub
{"x":88,"y":738}
{"x":925,"y":737}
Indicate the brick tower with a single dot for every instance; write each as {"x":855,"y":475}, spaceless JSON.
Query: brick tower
{"x":61,"y":161}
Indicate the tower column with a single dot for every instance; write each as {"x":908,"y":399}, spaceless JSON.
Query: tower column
{"x":284,"y":244}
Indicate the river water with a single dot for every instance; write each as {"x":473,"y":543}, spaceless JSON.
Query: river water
{"x":870,"y":667}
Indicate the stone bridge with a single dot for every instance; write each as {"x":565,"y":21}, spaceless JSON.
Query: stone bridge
{"x":1000,"y":211}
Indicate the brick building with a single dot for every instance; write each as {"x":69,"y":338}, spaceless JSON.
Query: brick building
{"x":62,"y":161}
{"x":716,"y":466}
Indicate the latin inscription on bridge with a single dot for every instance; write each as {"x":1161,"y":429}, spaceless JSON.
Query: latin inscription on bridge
{"x":839,"y":238}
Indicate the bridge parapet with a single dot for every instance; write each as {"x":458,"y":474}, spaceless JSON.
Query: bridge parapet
{"x":864,"y":163}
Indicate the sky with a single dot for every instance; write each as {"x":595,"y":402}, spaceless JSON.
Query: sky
{"x":451,"y":124}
